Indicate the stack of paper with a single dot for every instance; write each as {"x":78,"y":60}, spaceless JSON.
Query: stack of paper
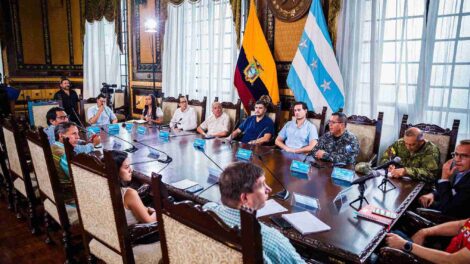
{"x":306,"y":223}
{"x":271,"y":207}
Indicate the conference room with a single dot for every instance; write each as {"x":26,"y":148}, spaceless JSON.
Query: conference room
{"x":250,"y":131}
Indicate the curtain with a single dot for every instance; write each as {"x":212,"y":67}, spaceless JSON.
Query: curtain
{"x":389,"y":57}
{"x":199,"y":51}
{"x":101,"y":57}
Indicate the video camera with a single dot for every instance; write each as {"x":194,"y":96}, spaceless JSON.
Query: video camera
{"x":108,"y":88}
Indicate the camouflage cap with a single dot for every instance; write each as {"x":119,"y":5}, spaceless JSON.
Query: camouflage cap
{"x":363,"y":168}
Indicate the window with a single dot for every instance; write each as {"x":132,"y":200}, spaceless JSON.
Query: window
{"x":203,"y":63}
{"x":408,"y":57}
{"x":124,"y":54}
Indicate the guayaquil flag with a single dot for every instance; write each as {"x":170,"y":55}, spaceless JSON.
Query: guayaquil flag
{"x":255,"y":73}
{"x":314,"y":75}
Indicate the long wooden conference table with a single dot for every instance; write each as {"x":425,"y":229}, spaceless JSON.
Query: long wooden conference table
{"x":350,"y":239}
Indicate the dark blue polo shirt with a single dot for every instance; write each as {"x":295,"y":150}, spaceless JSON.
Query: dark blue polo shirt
{"x":253,"y":130}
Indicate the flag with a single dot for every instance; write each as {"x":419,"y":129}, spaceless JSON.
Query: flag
{"x":255,"y":73}
{"x":314,"y":76}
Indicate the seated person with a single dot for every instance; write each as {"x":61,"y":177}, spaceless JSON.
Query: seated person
{"x":258,"y":128}
{"x":185,"y":117}
{"x":299,"y":135}
{"x":56,"y":116}
{"x":64,"y":130}
{"x":243,"y":184}
{"x":101,"y":114}
{"x":452,"y":194}
{"x":217,"y":125}
{"x":152,"y":113}
{"x":136,"y":211}
{"x":458,"y":251}
{"x":419,"y":157}
{"x":337,"y":145}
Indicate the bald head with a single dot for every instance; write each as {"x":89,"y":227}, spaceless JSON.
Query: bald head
{"x":414,"y":139}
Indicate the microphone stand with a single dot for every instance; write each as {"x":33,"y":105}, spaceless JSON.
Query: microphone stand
{"x":168,"y":158}
{"x":361,"y":197}
{"x":383,"y":185}
{"x":131,"y":150}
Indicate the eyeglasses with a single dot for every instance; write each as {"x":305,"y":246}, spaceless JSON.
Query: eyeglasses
{"x":183,"y":102}
{"x":460,"y":155}
{"x":63,"y":117}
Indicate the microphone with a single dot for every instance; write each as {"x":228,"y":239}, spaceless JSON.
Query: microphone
{"x":259,"y":135}
{"x":201,"y":149}
{"x":282,"y":194}
{"x":178,"y":123}
{"x":168,"y":158}
{"x":75,"y":114}
{"x":133,"y":149}
{"x":394,"y":161}
{"x":372,"y":174}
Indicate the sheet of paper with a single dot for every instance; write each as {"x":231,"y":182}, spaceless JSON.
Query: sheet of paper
{"x":271,"y":207}
{"x":306,"y":223}
{"x":184,"y":184}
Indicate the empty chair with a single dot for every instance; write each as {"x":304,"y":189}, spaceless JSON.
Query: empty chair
{"x":368,"y":133}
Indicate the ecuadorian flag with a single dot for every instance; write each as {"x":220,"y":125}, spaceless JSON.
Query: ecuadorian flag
{"x":255,"y":73}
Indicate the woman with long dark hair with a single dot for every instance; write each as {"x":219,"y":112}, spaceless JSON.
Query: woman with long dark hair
{"x":136,"y":211}
{"x":152,"y":113}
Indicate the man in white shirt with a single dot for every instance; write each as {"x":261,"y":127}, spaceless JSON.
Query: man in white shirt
{"x":100,"y":114}
{"x":184,"y":117}
{"x":217,"y":125}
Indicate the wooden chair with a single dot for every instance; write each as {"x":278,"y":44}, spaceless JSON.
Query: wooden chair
{"x":368,"y":133}
{"x":169,"y":106}
{"x":189,"y":234}
{"x":200,"y":108}
{"x":233,"y":111}
{"x":273,"y":112}
{"x":84,"y":106}
{"x":316,"y":119}
{"x":120,"y":108}
{"x":24,"y":181}
{"x":37,"y":112}
{"x":6,"y":182}
{"x":50,"y":189}
{"x":444,"y":138}
{"x":101,"y":212}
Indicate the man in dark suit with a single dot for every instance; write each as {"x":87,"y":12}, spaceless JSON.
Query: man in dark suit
{"x":452,"y":195}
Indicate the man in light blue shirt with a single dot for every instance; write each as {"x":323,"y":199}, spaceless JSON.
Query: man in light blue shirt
{"x":56,"y":116}
{"x":101,"y":114}
{"x":243,"y":183}
{"x":299,"y":135}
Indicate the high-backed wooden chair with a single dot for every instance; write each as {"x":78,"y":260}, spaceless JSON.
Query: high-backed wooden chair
{"x":233,"y":111}
{"x":200,"y":108}
{"x":119,"y":104}
{"x":6,"y":183}
{"x":84,"y":106}
{"x":24,"y":182}
{"x":273,"y":112}
{"x":37,"y":112}
{"x":101,"y":212}
{"x":368,"y":133}
{"x":317,"y":119}
{"x":444,"y":138}
{"x":169,"y":106}
{"x":50,"y":189}
{"x":189,"y":234}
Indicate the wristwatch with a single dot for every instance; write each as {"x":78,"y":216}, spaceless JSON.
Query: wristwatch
{"x":408,"y":247}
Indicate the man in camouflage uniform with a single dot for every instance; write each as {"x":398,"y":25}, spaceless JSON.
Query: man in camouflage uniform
{"x":338,"y":145}
{"x":419,"y":157}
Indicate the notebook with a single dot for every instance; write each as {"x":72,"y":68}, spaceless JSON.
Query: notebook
{"x":306,"y":223}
